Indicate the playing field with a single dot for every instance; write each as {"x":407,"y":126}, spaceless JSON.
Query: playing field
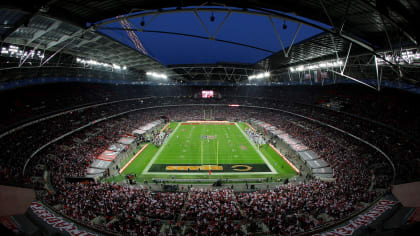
{"x":198,"y":148}
{"x":209,"y":148}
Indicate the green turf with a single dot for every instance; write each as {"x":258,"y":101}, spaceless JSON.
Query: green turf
{"x":283,"y":169}
{"x":229,"y":147}
{"x":130,"y":156}
{"x":172,"y":125}
{"x":138,"y":165}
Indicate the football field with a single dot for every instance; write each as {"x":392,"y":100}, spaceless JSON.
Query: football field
{"x":218,"y":149}
{"x":221,"y":147}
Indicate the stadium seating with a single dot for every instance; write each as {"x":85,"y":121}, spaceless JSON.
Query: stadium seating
{"x":291,"y":208}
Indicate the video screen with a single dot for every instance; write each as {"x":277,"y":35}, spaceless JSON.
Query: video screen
{"x":207,"y":94}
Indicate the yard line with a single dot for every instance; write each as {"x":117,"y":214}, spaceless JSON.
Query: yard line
{"x":160,"y":150}
{"x":258,"y":151}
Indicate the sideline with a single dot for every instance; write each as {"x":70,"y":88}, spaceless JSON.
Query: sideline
{"x":273,"y":171}
{"x":146,"y":170}
{"x":284,"y":158}
{"x":133,"y":158}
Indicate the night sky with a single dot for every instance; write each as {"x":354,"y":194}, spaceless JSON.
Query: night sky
{"x":248,"y":29}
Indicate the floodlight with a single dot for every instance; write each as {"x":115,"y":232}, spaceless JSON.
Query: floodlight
{"x":156,"y":75}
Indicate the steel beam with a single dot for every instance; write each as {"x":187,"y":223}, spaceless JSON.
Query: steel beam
{"x":55,"y":53}
{"x":277,"y":35}
{"x":85,"y":41}
{"x":221,"y":24}
{"x":63,"y":39}
{"x":202,"y":23}
{"x":256,"y":11}
{"x":294,"y":38}
{"x":349,"y":77}
{"x":321,"y":2}
{"x":193,"y":36}
{"x":40,"y":33}
{"x":347,"y":58}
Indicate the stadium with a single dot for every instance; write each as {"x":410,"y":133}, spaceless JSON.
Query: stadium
{"x":210,"y":117}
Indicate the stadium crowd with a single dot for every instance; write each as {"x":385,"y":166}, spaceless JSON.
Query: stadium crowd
{"x":160,"y":138}
{"x":214,"y":211}
{"x":290,"y":208}
{"x":255,"y":137}
{"x":118,"y":205}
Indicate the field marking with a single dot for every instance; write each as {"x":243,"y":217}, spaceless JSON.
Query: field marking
{"x":165,"y":127}
{"x":284,"y":158}
{"x":258,"y":151}
{"x":250,"y":126}
{"x":133,"y":158}
{"x":146,"y":170}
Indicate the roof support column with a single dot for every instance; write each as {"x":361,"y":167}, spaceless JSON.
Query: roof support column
{"x":221,"y":24}
{"x":29,"y":54}
{"x":293,"y":40}
{"x":378,"y":76}
{"x":347,"y":58}
{"x":277,"y":35}
{"x":55,"y":53}
{"x":202,"y":23}
{"x":349,"y":77}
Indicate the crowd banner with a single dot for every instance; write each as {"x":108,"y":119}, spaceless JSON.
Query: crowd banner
{"x":55,"y":224}
{"x":361,"y":220}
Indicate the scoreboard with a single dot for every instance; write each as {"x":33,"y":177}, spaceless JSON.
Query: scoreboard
{"x":207,"y":94}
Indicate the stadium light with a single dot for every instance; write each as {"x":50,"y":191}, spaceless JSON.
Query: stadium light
{"x":316,"y":66}
{"x":156,"y":75}
{"x":405,"y":57}
{"x":260,"y":75}
{"x":16,"y":52}
{"x":103,"y":64}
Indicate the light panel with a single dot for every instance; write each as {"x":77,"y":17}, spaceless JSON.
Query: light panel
{"x":156,"y":75}
{"x":102,"y":64}
{"x":260,"y":75}
{"x":316,"y":66}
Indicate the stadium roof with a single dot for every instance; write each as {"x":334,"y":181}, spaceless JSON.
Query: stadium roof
{"x":207,"y":35}
{"x":353,"y":31}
